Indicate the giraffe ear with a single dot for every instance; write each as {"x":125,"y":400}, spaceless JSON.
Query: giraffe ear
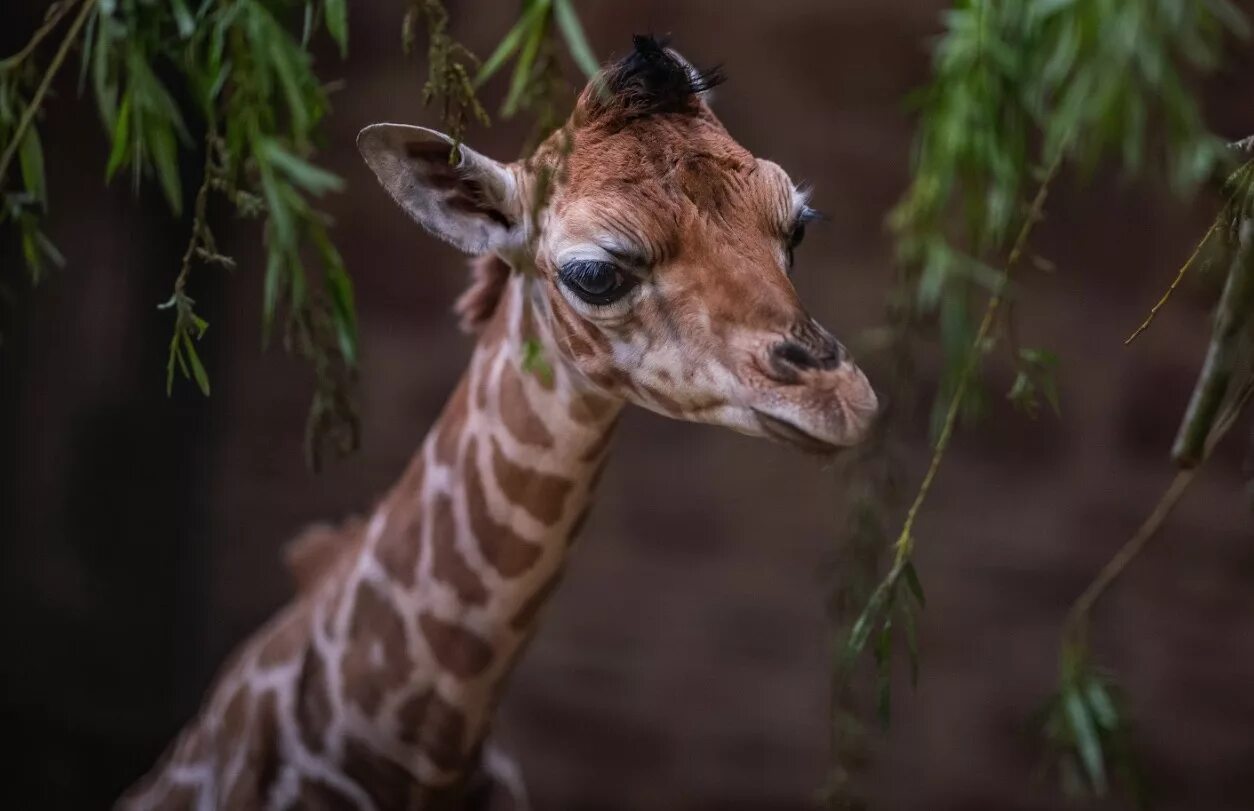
{"x":471,"y":202}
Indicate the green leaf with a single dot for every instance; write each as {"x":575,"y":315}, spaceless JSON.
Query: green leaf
{"x":339,"y":289}
{"x":30,"y":253}
{"x":170,"y":363}
{"x":884,"y":644}
{"x":912,"y":581}
{"x":272,"y":45}
{"x":150,"y":95}
{"x":1042,"y":358}
{"x":183,"y":18}
{"x":89,"y":41}
{"x":165,"y":160}
{"x":48,"y":249}
{"x":866,"y":622}
{"x":198,"y":369}
{"x":121,"y":138}
{"x":1100,"y":702}
{"x":1086,"y":740}
{"x":31,"y":158}
{"x":883,"y":699}
{"x":104,"y":83}
{"x":526,"y":60}
{"x":272,"y":288}
{"x":534,"y":361}
{"x":509,"y":44}
{"x":283,"y":227}
{"x":1049,"y":386}
{"x":337,"y":23}
{"x":313,"y":179}
{"x":1023,"y":394}
{"x":568,"y":22}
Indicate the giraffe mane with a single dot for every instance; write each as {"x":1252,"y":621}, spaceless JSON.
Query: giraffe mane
{"x":651,"y":80}
{"x":317,"y":551}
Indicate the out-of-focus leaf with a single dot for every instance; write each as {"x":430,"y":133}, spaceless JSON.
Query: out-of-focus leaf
{"x":337,"y":23}
{"x":509,"y":43}
{"x":1101,"y":704}
{"x":313,"y":179}
{"x":1086,"y":739}
{"x":272,"y":288}
{"x":31,"y":159}
{"x":568,"y":22}
{"x":865,"y":624}
{"x":340,"y":291}
{"x":165,"y":160}
{"x":883,"y":699}
{"x":198,"y":368}
{"x":183,"y":18}
{"x":526,"y":59}
{"x":121,"y":140}
{"x":911,"y":576}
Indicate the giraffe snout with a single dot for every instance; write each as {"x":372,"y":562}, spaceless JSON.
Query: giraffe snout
{"x":807,"y":348}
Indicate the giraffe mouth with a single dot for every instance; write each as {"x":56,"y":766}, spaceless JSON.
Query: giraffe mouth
{"x":788,"y":433}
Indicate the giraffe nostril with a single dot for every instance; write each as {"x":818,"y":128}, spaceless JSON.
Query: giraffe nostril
{"x":795,"y":355}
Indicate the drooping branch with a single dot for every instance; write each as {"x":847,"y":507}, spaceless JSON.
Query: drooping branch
{"x":1162,"y":301}
{"x":1079,"y":616}
{"x":1223,"y":353}
{"x":904,"y":544}
{"x":55,"y":15}
{"x":36,"y":101}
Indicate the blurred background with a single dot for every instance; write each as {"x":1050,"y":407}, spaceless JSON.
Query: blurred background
{"x":685,"y":662}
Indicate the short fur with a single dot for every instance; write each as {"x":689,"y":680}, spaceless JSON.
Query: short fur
{"x":651,"y":80}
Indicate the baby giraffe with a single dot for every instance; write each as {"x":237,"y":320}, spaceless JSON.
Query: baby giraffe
{"x":641,"y":256}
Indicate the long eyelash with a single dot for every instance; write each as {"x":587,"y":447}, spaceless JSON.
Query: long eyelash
{"x":808,"y":215}
{"x":583,"y":268}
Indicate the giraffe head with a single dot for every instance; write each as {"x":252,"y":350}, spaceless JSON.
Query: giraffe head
{"x":662,"y":248}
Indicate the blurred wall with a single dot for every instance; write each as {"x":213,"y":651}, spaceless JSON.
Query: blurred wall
{"x":684,"y":662}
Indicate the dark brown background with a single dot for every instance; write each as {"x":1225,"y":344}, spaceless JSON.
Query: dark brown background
{"x":684,"y":662}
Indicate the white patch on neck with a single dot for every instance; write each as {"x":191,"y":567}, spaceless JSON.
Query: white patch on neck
{"x":377,"y":524}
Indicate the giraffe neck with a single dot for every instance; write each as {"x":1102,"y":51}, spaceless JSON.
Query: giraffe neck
{"x":459,"y":557}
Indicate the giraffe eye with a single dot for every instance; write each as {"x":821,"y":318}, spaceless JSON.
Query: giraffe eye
{"x":798,"y":232}
{"x":597,"y":283}
{"x":797,"y":236}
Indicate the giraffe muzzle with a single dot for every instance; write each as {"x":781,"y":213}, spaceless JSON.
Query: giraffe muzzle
{"x":784,"y":431}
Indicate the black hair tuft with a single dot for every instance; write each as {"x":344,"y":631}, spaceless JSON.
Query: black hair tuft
{"x":654,"y":79}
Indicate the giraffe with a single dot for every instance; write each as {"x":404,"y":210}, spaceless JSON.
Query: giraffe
{"x":652,"y":270}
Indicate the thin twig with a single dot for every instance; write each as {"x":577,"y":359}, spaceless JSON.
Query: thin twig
{"x":1079,"y":617}
{"x":198,"y":216}
{"x":1153,"y":313}
{"x":50,"y":23}
{"x":905,"y":540}
{"x":28,"y":115}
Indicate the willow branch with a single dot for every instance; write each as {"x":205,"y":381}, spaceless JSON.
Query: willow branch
{"x":44,"y":30}
{"x":1075,"y":628}
{"x":28,"y":115}
{"x":905,"y":540}
{"x":199,"y":227}
{"x":1222,"y":354}
{"x":1153,"y":313}
{"x":1245,"y":145}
